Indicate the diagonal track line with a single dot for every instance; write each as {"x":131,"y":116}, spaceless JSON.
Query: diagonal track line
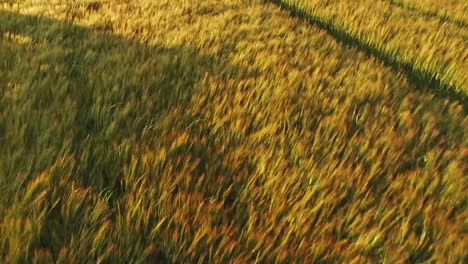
{"x":421,"y":78}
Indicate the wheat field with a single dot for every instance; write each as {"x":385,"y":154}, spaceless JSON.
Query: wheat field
{"x":233,"y":131}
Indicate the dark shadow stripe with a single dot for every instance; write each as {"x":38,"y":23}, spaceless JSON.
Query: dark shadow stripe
{"x":420,"y":78}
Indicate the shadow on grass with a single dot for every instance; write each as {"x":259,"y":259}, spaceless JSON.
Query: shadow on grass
{"x":70,"y":84}
{"x":67,"y":90}
{"x":421,"y":78}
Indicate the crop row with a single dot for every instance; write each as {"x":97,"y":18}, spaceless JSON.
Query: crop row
{"x":216,"y":131}
{"x":431,"y":52}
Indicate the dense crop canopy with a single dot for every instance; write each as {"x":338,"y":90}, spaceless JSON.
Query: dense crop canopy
{"x":229,"y":131}
{"x":432,"y":49}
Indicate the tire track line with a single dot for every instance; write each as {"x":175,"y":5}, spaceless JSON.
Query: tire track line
{"x":419,"y":77}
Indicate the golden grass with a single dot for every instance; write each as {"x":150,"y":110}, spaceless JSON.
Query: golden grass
{"x":424,"y":43}
{"x":450,"y":10}
{"x":217,"y":131}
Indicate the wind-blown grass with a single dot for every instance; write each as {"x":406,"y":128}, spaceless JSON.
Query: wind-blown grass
{"x":455,"y":11}
{"x":217,"y":131}
{"x":431,"y":52}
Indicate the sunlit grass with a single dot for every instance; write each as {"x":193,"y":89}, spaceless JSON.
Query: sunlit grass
{"x":433,"y":50}
{"x":217,"y":131}
{"x":454,"y":11}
